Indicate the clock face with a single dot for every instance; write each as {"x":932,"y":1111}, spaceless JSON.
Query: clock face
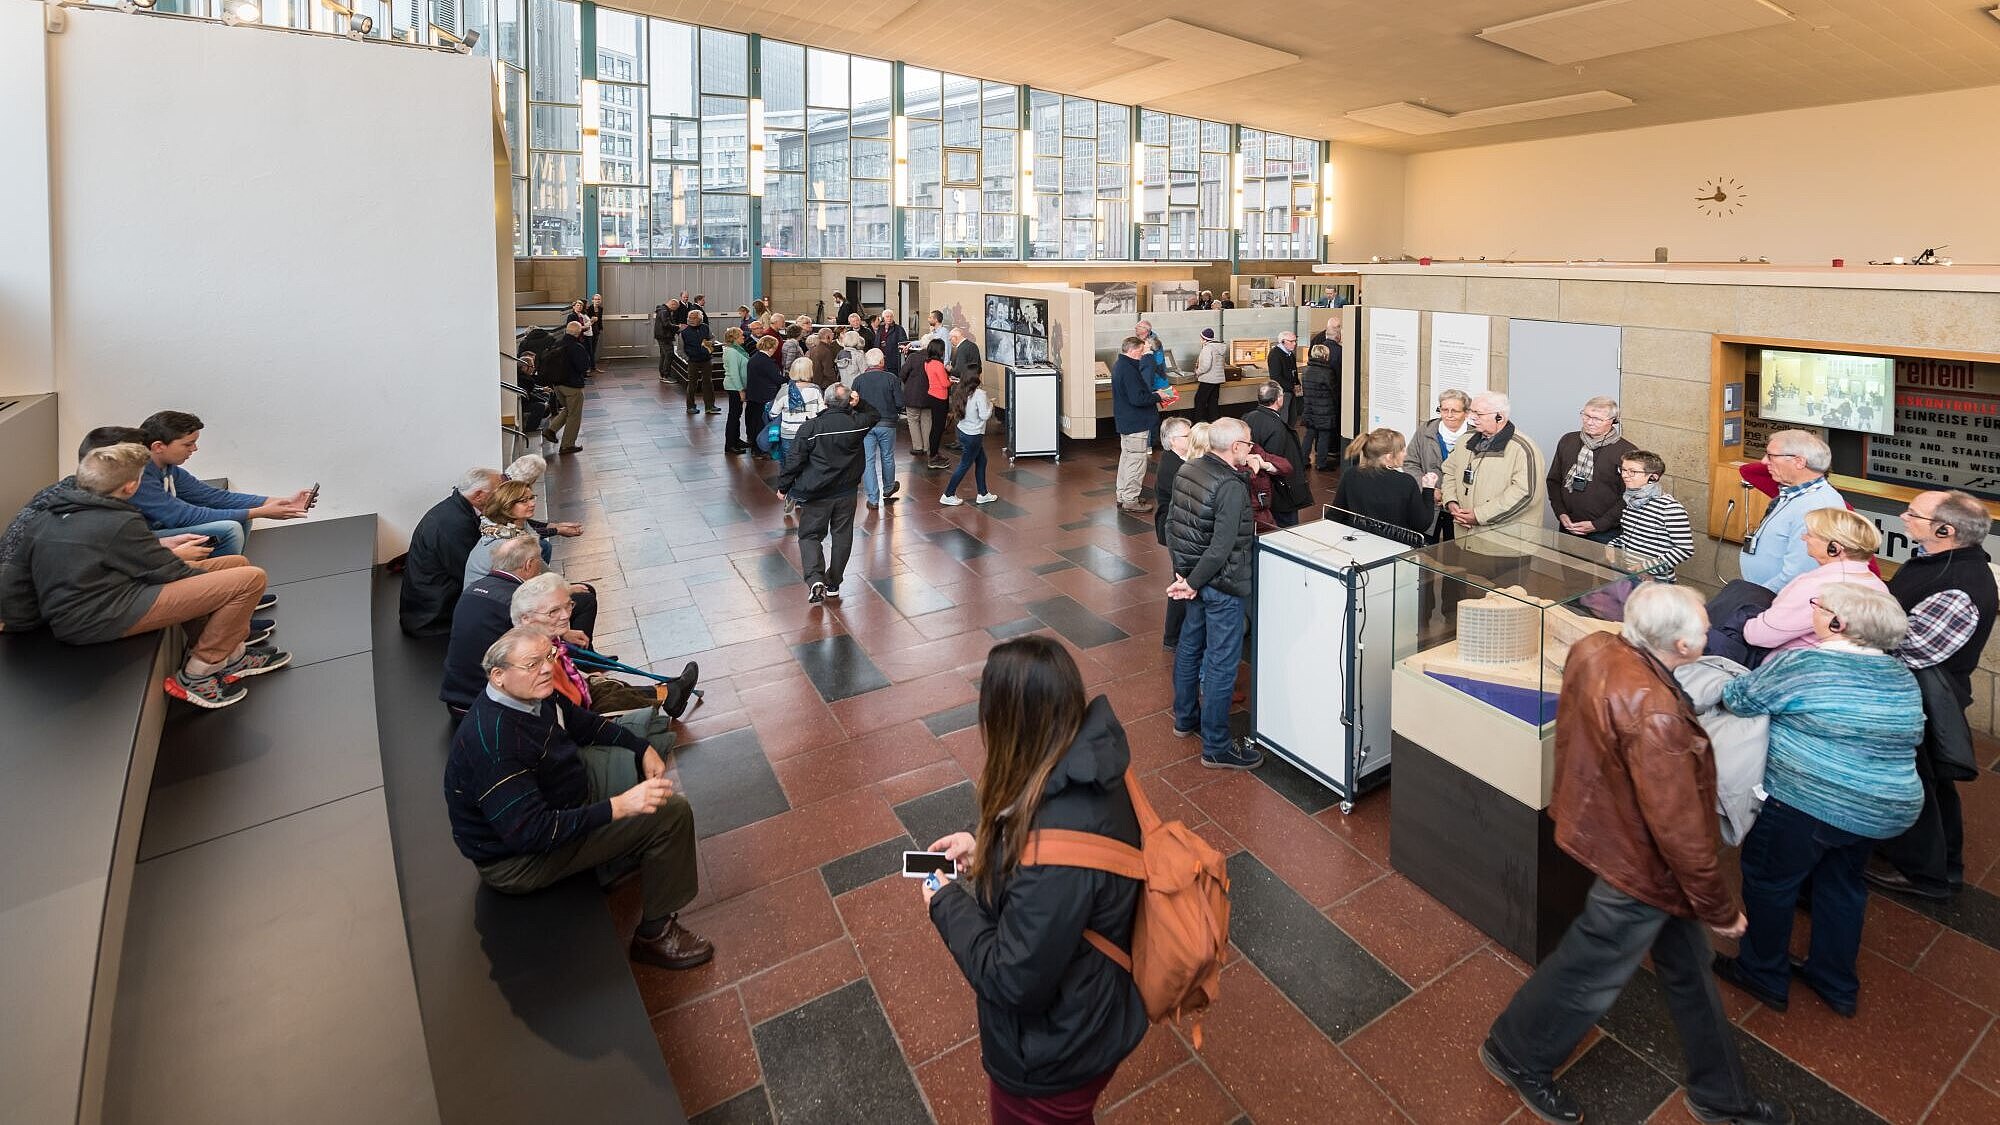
{"x":1719,"y":196}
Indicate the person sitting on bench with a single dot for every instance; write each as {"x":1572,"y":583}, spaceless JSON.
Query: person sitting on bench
{"x":434,"y":568}
{"x":176,"y":501}
{"x":88,"y":568}
{"x":540,"y":789}
{"x":543,"y":603}
{"x":187,"y":547}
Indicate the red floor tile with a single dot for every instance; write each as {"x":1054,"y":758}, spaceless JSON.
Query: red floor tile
{"x":1159,"y":1052}
{"x":1366,"y":829}
{"x":1168,"y":802}
{"x":1154,"y":748}
{"x":791,"y":718}
{"x":1417,"y":936}
{"x":798,"y":840}
{"x":955,"y":1085}
{"x":1142,"y":694}
{"x":917,"y":661}
{"x":1895,"y":1055}
{"x":1315,"y":862}
{"x":752,"y":932}
{"x":1963,"y":967}
{"x":1965,"y":1103}
{"x":709,"y":1051}
{"x":924,"y":994}
{"x":863,"y":714}
{"x":1983,"y":1064}
{"x":916,"y":783}
{"x":1424,"y":1051}
{"x":808,"y":976}
{"x":968,"y":748}
{"x":844,"y":766}
{"x":1306,"y":1081}
{"x":1187,"y":1096}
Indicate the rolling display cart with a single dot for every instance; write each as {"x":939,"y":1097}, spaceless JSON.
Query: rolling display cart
{"x":1034,"y":412}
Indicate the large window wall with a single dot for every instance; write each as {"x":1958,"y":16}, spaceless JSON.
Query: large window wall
{"x":990,"y":171}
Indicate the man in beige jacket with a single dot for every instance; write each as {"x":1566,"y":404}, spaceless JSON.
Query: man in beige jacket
{"x":1493,"y":477}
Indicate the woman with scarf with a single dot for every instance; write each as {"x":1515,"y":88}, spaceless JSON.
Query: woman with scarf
{"x":1585,"y":488}
{"x":1652,"y":523}
{"x":510,"y":511}
{"x":1433,"y":444}
{"x":542,"y":603}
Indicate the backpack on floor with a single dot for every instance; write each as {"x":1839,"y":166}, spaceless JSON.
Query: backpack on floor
{"x":1180,"y":936}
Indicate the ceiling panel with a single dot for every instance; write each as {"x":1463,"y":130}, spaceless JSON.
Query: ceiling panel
{"x":1614,"y":27}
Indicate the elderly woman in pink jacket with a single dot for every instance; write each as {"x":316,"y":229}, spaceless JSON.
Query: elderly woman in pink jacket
{"x":1842,"y":543}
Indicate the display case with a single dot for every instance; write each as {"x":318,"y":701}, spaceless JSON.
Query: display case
{"x":1483,"y":628}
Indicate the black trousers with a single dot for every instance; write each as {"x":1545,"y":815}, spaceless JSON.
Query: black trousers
{"x":1207,"y":402}
{"x":816,"y":519}
{"x":1579,"y":982}
{"x":732,"y":430}
{"x":701,"y":382}
{"x":940,"y":410}
{"x":1931,"y":854}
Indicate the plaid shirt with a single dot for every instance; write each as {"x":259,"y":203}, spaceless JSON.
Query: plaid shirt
{"x":1940,"y":625}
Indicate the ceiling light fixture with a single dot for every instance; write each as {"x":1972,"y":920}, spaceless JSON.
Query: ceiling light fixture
{"x":900,"y":185}
{"x":240,"y":11}
{"x":1027,"y":200}
{"x":757,"y":140}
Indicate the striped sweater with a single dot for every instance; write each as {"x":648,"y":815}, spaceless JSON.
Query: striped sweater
{"x":514,"y":784}
{"x":1658,"y":529}
{"x":1840,"y":753}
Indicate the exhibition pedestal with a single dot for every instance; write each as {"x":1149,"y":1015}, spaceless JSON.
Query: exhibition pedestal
{"x":1484,"y":854}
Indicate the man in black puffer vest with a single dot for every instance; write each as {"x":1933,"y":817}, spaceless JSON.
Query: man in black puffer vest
{"x":823,"y":467}
{"x":1947,"y":588}
{"x":1211,"y":536}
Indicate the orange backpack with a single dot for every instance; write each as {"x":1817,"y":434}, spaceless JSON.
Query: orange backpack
{"x":1180,"y":936}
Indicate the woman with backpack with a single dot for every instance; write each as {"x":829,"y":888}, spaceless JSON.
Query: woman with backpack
{"x":1056,"y":1013}
{"x":763,"y":381}
{"x":967,"y":414}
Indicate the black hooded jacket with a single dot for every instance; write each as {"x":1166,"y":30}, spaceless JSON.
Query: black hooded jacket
{"x":1055,"y":1013}
{"x":434,"y":570}
{"x":824,"y":460}
{"x":87,"y":566}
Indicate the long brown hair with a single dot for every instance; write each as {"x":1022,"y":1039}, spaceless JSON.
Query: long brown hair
{"x":500,"y":505}
{"x":961,"y":393}
{"x":1031,"y":705}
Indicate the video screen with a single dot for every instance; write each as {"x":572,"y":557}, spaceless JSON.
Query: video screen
{"x":1017,"y":331}
{"x":1841,"y":392}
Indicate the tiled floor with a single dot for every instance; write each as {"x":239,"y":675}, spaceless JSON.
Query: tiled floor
{"x":834,"y":737}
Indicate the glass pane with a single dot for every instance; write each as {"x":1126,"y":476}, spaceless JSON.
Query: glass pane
{"x":1045,"y":231}
{"x":961,"y":166}
{"x":1079,"y":181}
{"x":1046,"y":113}
{"x":961,"y":223}
{"x":784,"y":152}
{"x":557,"y":211}
{"x":1114,"y":128}
{"x":675,"y":139}
{"x":1278,"y":147}
{"x":826,"y":234}
{"x":1305,"y":160}
{"x":509,"y":35}
{"x":1253,"y":195}
{"x":1079,"y":117}
{"x":1114,"y":229}
{"x":871,"y":98}
{"x":520,"y":217}
{"x":619,"y":38}
{"x":926,"y":164}
{"x":961,"y":110}
{"x":920,"y":92}
{"x":621,"y":135}
{"x":997,"y":234}
{"x":621,"y":222}
{"x":1182,"y":147}
{"x":1113,"y":180}
{"x":1079,"y":238}
{"x":725,"y":64}
{"x":671,"y":68}
{"x":676,"y":225}
{"x":1152,"y":127}
{"x":725,"y":143}
{"x":1048,"y":173}
{"x":870,"y":231}
{"x":1152,"y":241}
{"x":1214,"y":190}
{"x":1003,"y":106}
{"x":553,"y":62}
{"x":872,"y":159}
{"x":997,"y":171}
{"x":516,"y":103}
{"x":725,"y":226}
{"x":784,"y":215}
{"x":1214,"y":137}
{"x":555,"y":126}
{"x":784,"y":85}
{"x":920,"y":232}
{"x":826,"y":157}
{"x":826,"y":78}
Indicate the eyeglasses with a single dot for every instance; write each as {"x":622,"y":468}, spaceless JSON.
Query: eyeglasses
{"x":1240,"y":441}
{"x":1624,"y":472}
{"x":1589,"y":417}
{"x":535,"y":665}
{"x":562,"y":610}
{"x":1913,"y":514}
{"x":1768,"y":455}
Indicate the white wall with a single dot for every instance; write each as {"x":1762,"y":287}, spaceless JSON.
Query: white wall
{"x":1368,"y":191}
{"x":1867,"y":180}
{"x":27,"y":363}
{"x":291,"y":236}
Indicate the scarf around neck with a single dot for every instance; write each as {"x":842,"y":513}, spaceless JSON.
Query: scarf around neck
{"x":1640,"y":497}
{"x":1586,"y":458}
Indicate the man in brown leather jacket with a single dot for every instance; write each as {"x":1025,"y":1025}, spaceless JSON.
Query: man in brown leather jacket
{"x":1634,"y":801}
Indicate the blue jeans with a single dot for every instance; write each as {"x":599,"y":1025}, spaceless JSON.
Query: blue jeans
{"x":971,"y":455}
{"x":1785,"y":848}
{"x":1205,"y":666}
{"x":228,"y":535}
{"x":878,"y":451}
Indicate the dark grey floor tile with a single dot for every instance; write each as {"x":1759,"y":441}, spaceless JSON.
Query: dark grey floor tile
{"x":1337,"y":984}
{"x":958,"y":718}
{"x":838,"y":667}
{"x":911,"y":595}
{"x":1078,"y":625}
{"x":1973,"y":911}
{"x":1112,"y":516}
{"x":1052,"y":567}
{"x":960,"y":543}
{"x":694,"y":470}
{"x":1295,"y":785}
{"x":1107,"y":490}
{"x":1101,"y":562}
{"x":768,"y":571}
{"x":1615,"y":1086}
{"x":1008,"y":630}
{"x":729,"y":782}
{"x":1025,"y":478}
{"x":834,"y":1061}
{"x":751,"y":1107}
{"x":724,"y":512}
{"x":676,"y":632}
{"x":1640,"y":1021}
{"x":1001,"y":509}
{"x":323,"y":618}
{"x":934,"y":816}
{"x":861,"y":868}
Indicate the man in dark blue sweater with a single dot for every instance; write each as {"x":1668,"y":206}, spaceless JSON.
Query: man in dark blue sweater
{"x":540,"y":789}
{"x":1135,"y":410}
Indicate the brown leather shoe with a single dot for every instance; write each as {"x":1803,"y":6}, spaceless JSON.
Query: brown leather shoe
{"x":675,"y":948}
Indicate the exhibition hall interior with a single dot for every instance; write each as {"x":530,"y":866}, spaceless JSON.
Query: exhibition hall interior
{"x":1029,"y":561}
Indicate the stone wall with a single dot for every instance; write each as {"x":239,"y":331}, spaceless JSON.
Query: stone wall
{"x":1667,"y":335}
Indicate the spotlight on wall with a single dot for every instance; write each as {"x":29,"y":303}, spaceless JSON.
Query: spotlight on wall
{"x":357,"y":25}
{"x":130,"y":6}
{"x":463,"y":44}
{"x":240,"y":11}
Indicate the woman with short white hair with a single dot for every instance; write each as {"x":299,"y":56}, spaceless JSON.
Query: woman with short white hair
{"x":542,"y":603}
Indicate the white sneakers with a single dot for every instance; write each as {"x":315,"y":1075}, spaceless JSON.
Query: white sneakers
{"x":984,"y":498}
{"x":950,"y":501}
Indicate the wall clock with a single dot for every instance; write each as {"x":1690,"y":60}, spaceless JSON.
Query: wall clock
{"x":1719,"y":196}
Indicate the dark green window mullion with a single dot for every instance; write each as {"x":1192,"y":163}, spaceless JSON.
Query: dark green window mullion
{"x":755,"y":217}
{"x":587,"y":62}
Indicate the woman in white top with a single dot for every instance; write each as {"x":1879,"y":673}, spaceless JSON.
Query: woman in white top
{"x":852,"y":359}
{"x":969,"y":411}
{"x":800,"y":400}
{"x":1209,"y":374}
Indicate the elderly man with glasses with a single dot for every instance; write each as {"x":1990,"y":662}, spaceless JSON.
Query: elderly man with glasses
{"x":1494,"y":476}
{"x":1585,"y":489}
{"x":1776,"y":552}
{"x":539,"y":789}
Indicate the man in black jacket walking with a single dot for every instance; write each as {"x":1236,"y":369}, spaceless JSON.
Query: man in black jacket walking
{"x":1210,"y":534}
{"x":564,"y":369}
{"x":823,"y":466}
{"x":1269,"y":429}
